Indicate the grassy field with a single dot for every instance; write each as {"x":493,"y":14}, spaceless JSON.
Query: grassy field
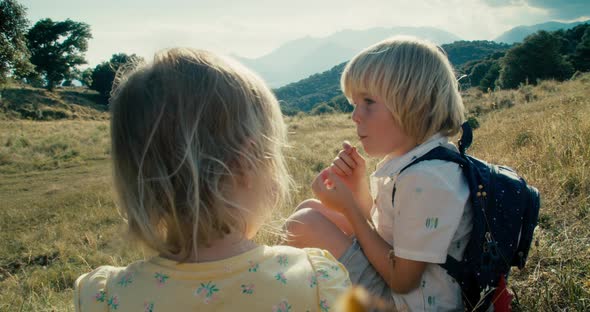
{"x":58,"y":219}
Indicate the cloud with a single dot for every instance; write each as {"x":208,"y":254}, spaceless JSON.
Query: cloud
{"x":502,"y":3}
{"x":556,"y":9}
{"x":563,"y":9}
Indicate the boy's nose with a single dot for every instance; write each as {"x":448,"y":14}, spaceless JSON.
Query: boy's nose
{"x":355,"y":115}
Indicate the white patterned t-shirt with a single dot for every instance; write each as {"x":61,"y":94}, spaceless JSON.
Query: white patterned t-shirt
{"x":430,"y":218}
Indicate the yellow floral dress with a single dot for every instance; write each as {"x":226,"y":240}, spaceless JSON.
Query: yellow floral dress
{"x":276,"y":279}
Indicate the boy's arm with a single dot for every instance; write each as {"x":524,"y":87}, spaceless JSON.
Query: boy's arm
{"x":400,"y":274}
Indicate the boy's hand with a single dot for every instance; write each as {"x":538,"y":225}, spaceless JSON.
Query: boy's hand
{"x":349,"y":164}
{"x":331,"y":190}
{"x":351,"y":167}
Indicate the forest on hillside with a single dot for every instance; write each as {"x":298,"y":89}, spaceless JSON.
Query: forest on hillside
{"x":486,"y":65}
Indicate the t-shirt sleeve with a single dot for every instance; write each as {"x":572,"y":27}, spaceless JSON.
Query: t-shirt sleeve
{"x":330,"y":276}
{"x":90,"y":293}
{"x":430,"y":199}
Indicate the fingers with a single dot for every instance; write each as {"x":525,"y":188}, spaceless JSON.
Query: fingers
{"x":358,"y":159}
{"x":340,"y":167}
{"x":336,"y":181}
{"x":346,"y":146}
{"x":347,"y":159}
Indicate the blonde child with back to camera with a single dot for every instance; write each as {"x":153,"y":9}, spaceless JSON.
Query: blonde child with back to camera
{"x":198,"y":167}
{"x":406,"y":102}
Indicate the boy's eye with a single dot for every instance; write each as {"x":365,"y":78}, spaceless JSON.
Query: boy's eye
{"x":368,"y":101}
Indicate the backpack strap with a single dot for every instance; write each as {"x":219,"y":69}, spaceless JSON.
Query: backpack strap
{"x":452,"y":265}
{"x":466,"y":138}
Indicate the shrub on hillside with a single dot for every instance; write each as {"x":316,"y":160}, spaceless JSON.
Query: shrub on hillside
{"x":538,"y":57}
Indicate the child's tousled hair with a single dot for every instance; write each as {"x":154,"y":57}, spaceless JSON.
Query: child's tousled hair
{"x":415,"y":80}
{"x":186,"y":130}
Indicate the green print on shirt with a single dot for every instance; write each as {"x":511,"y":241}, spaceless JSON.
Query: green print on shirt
{"x":431,"y":300}
{"x":431,"y":223}
{"x":148,"y":307}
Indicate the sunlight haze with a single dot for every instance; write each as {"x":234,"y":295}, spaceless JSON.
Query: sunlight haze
{"x":254,"y":28}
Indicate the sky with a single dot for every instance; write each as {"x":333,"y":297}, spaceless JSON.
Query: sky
{"x":253,"y":28}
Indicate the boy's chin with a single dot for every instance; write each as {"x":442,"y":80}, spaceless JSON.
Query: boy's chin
{"x":372,"y":153}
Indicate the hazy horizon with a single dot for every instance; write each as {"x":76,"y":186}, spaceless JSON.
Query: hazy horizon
{"x":255,"y":28}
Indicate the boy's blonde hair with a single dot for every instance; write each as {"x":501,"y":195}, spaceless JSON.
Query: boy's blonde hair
{"x":187,"y":130}
{"x":415,"y":80}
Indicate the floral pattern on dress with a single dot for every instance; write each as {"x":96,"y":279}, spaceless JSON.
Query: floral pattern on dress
{"x":253,"y":266}
{"x":100,"y":296}
{"x":126,"y":279}
{"x":281,"y":278}
{"x":322,"y":274}
{"x":282,"y":306}
{"x":313,"y":280}
{"x":247,"y":289}
{"x":283,"y":260}
{"x":324,"y":306}
{"x":113,"y":302}
{"x":207,"y":292}
{"x":148,"y":307}
{"x":161,"y":278}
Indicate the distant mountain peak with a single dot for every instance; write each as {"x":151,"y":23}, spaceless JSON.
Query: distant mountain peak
{"x":302,"y":57}
{"x":518,"y":33}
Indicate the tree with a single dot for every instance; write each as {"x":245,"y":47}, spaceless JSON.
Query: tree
{"x":104,"y":73}
{"x":581,"y":56}
{"x":538,"y":57}
{"x":14,"y":55}
{"x":86,"y":77}
{"x":57,"y":48}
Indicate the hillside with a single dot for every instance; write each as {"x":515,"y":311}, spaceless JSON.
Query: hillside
{"x":517,"y":34}
{"x":307,"y":93}
{"x":300,"y":58}
{"x":59,"y":220}
{"x":24,"y":102}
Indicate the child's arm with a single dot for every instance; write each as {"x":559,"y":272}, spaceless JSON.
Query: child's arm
{"x":402,"y":275}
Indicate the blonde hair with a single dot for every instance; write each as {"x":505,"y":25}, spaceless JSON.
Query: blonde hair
{"x":416,"y":81}
{"x":185,"y":130}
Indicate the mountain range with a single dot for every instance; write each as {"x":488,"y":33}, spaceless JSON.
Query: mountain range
{"x":306,"y":94}
{"x":303,"y":57}
{"x":517,"y":34}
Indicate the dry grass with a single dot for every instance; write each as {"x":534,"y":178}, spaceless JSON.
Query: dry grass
{"x":58,"y":220}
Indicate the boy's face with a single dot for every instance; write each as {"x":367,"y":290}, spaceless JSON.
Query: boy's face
{"x":378,"y":132}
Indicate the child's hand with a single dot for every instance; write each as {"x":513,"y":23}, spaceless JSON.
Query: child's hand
{"x":349,"y":163}
{"x":351,"y":167}
{"x":331,"y":190}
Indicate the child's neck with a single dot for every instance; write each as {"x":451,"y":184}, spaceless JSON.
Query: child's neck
{"x":230,"y":245}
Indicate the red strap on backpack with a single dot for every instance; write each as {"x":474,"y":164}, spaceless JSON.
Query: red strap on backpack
{"x":502,"y":297}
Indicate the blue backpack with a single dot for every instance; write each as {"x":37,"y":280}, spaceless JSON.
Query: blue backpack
{"x":505,"y":214}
